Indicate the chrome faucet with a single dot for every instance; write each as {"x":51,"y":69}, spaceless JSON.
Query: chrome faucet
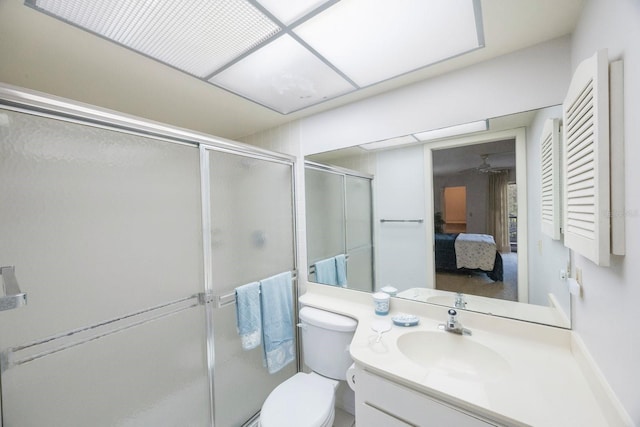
{"x":459,"y":301}
{"x":453,"y":324}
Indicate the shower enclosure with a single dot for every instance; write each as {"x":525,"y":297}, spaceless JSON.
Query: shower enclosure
{"x":339,"y":220}
{"x":128,"y":238}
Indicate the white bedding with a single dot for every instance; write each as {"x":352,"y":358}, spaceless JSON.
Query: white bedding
{"x":475,"y":251}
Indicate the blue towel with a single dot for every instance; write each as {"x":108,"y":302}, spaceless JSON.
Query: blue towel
{"x":326,"y":271}
{"x":248,"y":315}
{"x":277,"y":321}
{"x":341,"y":270}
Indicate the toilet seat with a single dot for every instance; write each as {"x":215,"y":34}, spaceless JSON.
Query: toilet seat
{"x":302,"y":400}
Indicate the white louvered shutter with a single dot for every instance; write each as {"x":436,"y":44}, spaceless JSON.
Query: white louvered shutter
{"x":550,"y":191}
{"x":586,"y":161}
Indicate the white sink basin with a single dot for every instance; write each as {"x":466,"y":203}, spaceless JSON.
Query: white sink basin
{"x":453,"y":355}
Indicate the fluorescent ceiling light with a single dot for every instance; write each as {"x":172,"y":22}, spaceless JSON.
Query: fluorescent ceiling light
{"x":452,"y":131}
{"x":391,"y":142}
{"x":288,"y":11}
{"x":335,"y":46}
{"x":374,"y":40}
{"x":284,"y":76}
{"x":198,"y":37}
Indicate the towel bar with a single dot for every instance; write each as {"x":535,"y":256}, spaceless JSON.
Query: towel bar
{"x":229,"y":298}
{"x":402,"y":220}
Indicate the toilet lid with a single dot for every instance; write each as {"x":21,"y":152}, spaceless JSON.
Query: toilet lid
{"x":302,"y":400}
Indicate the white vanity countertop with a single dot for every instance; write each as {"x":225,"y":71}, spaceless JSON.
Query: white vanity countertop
{"x":543,"y":384}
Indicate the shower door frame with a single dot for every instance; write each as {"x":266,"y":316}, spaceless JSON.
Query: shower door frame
{"x":50,"y":106}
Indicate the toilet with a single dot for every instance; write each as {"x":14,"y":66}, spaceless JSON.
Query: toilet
{"x":307,"y":399}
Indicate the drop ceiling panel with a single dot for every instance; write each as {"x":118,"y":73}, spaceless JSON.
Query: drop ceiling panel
{"x":374,"y":40}
{"x":288,"y":11}
{"x":194,"y":36}
{"x":284,"y":76}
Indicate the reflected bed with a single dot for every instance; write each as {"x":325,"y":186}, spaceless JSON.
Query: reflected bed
{"x":447,"y":260}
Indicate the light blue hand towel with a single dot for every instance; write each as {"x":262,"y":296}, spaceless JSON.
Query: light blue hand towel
{"x":326,"y":271}
{"x":248,"y":315}
{"x":277,"y":321}
{"x":341,"y":270}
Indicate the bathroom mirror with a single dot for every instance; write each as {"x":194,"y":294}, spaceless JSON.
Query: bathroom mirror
{"x":422,"y":196}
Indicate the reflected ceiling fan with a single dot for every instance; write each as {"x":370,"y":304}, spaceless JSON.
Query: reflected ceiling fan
{"x":484,"y":166}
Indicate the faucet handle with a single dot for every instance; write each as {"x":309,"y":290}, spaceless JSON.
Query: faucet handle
{"x":452,"y":323}
{"x":459,"y":301}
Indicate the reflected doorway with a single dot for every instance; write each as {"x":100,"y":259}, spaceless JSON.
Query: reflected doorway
{"x":475,"y":193}
{"x":455,"y":209}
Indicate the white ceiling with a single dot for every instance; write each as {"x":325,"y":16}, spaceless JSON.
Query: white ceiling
{"x":44,"y":54}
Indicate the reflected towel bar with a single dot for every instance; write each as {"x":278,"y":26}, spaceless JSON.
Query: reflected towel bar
{"x":402,"y":220}
{"x":312,"y":267}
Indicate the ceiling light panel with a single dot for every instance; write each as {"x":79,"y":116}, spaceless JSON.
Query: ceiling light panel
{"x":374,"y":40}
{"x":390,"y":143}
{"x":456,"y":130}
{"x":283,"y":76}
{"x":198,"y":37}
{"x":289,"y":11}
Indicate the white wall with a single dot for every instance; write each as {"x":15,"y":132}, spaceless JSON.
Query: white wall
{"x":607,"y":316}
{"x":546,"y":256}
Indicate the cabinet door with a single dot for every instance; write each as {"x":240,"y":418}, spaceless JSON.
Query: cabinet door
{"x":586,"y":161}
{"x":550,"y":173}
{"x":368,"y":416}
{"x":404,"y":404}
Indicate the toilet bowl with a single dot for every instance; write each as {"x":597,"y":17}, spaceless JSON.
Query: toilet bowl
{"x":304,"y":400}
{"x":308,"y":399}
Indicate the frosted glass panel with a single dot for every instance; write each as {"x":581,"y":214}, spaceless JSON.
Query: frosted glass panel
{"x":359,"y":231}
{"x":241,"y":382}
{"x":360,"y":269}
{"x":154,"y":374}
{"x":251,"y":219}
{"x":251,"y":239}
{"x":325,"y":214}
{"x":98,"y":223}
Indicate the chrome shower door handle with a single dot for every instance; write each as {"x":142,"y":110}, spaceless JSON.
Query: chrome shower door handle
{"x":13,"y":297}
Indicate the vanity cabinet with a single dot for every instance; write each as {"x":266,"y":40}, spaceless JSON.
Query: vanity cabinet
{"x":384,"y":403}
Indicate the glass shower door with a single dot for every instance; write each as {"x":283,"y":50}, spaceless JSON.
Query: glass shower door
{"x":104,"y":230}
{"x":249,"y":236}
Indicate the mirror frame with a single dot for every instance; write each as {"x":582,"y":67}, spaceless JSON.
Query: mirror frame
{"x":519,"y":135}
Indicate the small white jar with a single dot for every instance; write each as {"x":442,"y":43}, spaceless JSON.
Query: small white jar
{"x":381,"y":303}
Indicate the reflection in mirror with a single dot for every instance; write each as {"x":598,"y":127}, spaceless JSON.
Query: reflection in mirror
{"x":339,"y":215}
{"x":417,"y":221}
{"x":475,"y":219}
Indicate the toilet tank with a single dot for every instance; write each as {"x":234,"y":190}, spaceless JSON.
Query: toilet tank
{"x":325,"y":341}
